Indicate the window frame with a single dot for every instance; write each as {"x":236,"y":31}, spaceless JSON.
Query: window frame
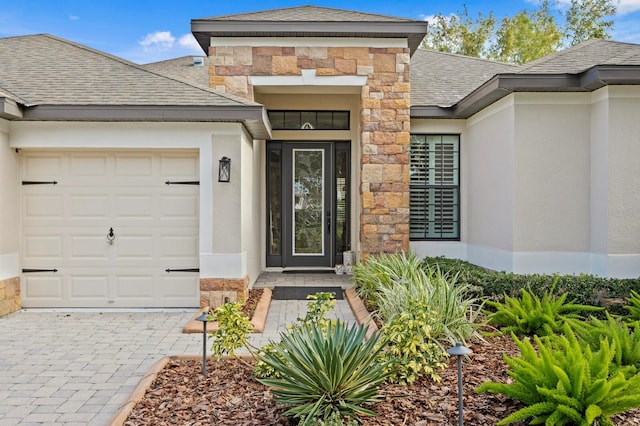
{"x":302,"y":113}
{"x":427,"y":186}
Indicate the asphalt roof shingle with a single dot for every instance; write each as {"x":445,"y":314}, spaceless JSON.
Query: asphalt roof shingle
{"x":46,"y":70}
{"x":308,"y":14}
{"x":585,"y":55}
{"x":182,"y":69}
{"x":443,"y":79}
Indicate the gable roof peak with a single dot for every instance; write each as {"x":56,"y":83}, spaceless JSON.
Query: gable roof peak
{"x":307,"y":13}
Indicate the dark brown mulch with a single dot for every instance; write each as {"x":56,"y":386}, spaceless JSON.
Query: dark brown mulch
{"x":253,"y":298}
{"x":229,"y":395}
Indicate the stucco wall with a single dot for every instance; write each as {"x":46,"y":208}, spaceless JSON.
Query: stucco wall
{"x":9,"y":212}
{"x":552,"y":169}
{"x":623,"y":212}
{"x":9,"y":225}
{"x":490,"y":142}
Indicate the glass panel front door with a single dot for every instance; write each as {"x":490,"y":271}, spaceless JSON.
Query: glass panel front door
{"x":307,"y":203}
{"x":308,"y":200}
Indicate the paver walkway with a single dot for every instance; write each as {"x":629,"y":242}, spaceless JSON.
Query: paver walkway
{"x":77,"y":367}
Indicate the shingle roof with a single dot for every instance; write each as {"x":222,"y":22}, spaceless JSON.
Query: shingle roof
{"x":585,"y":55}
{"x":308,"y":13}
{"x":42,"y":69}
{"x":442,"y":79}
{"x":308,"y":21}
{"x":182,"y":69}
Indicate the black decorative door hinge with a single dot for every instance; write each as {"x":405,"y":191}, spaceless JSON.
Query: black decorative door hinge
{"x":183,"y":270}
{"x":28,"y":271}
{"x":39,"y":182}
{"x":185,"y":182}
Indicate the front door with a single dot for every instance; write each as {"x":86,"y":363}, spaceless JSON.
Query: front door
{"x":307,"y":203}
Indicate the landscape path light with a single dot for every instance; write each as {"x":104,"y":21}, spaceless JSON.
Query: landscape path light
{"x":459,"y":350}
{"x":204,"y":318}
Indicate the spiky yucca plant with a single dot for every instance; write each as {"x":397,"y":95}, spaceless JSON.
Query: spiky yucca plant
{"x":322,"y":373}
{"x":530,"y":314}
{"x":566,"y":383}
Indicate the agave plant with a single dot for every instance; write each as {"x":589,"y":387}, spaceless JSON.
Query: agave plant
{"x":322,"y":373}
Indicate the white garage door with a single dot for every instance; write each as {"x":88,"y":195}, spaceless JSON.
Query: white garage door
{"x":70,"y":203}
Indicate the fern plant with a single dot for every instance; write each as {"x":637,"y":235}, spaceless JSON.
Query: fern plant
{"x":625,"y":337}
{"x":633,"y":308}
{"x":566,"y":383}
{"x":530,"y":314}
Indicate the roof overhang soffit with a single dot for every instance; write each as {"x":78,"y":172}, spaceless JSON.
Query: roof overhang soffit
{"x":254,"y":118}
{"x":502,"y":85}
{"x":9,"y":109}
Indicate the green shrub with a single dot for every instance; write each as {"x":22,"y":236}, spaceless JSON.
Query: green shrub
{"x":454,"y":315}
{"x":566,"y":383}
{"x":633,"y":308}
{"x":320,"y":304}
{"x":233,"y":330}
{"x":626,"y":340}
{"x":584,"y":289}
{"x":410,"y":352}
{"x":384,"y":271}
{"x":322,"y":373}
{"x":530,"y":314}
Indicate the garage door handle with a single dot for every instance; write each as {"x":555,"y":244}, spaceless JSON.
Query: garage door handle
{"x":111,"y":236}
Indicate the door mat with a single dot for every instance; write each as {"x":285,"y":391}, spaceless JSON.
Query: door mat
{"x":301,"y":293}
{"x":309,"y":271}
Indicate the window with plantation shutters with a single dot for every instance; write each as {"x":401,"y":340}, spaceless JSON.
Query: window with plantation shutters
{"x":435,"y":187}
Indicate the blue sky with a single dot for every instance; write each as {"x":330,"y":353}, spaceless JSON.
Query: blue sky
{"x":146,"y":31}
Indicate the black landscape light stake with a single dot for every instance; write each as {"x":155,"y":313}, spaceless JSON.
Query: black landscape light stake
{"x":204,"y":318}
{"x":459,"y":350}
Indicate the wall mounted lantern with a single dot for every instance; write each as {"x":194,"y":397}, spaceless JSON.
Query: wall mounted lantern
{"x":224,"y":169}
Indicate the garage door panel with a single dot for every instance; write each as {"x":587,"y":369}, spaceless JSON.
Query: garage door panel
{"x":174,"y":248}
{"x":134,"y":246}
{"x":89,"y":206}
{"x":179,"y":288}
{"x":44,"y":287}
{"x":88,"y":247}
{"x":38,"y":206}
{"x":87,"y":166}
{"x":89,"y":286}
{"x":179,"y":166}
{"x":66,"y":226}
{"x":135,"y":206}
{"x":43,"y":248}
{"x":134,"y":285}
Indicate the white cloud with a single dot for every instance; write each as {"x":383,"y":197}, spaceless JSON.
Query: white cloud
{"x":73,"y":17}
{"x":628,"y":6}
{"x":189,"y":42}
{"x":160,"y":40}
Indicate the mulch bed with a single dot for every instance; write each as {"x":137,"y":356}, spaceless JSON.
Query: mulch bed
{"x":229,"y":394}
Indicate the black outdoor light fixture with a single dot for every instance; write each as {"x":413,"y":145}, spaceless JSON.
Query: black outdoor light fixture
{"x":459,"y":350}
{"x":224,"y":169}
{"x":204,"y":318}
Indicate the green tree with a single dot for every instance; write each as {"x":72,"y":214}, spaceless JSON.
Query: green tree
{"x":527,"y":36}
{"x":587,"y":19}
{"x":460,"y":34}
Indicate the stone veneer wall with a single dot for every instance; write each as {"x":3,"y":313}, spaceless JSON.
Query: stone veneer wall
{"x":384,"y":121}
{"x":214,"y":291}
{"x":9,"y":296}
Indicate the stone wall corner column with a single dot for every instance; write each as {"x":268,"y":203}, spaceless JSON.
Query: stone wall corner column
{"x":10,"y":296}
{"x":216,"y":292}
